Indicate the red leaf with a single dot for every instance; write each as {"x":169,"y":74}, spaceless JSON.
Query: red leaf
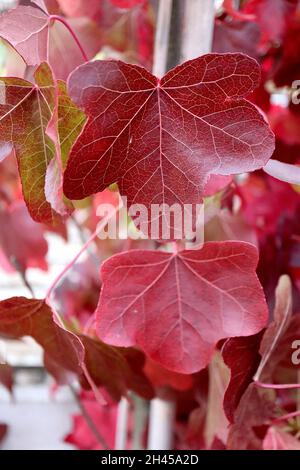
{"x":127,"y":3}
{"x":242,"y":357}
{"x":22,"y":240}
{"x":176,"y":307}
{"x":79,"y":354}
{"x":118,"y":369}
{"x":161,"y":139}
{"x":20,"y":317}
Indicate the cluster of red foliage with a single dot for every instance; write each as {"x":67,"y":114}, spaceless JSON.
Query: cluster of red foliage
{"x":213,"y":329}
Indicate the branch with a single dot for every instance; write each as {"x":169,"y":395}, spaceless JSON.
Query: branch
{"x":23,"y":277}
{"x":100,"y":227}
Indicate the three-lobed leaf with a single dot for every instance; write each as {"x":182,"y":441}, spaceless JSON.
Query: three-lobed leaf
{"x":176,"y":307}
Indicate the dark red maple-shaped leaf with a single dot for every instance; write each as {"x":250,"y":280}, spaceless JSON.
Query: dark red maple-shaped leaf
{"x":160,"y":139}
{"x":176,"y":307}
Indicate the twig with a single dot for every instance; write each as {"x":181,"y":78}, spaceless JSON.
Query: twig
{"x":84,"y":239}
{"x":276,"y":386}
{"x":100,"y":227}
{"x":294,"y":414}
{"x":23,"y":277}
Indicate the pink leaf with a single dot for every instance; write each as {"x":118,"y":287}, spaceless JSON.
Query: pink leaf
{"x":39,"y":37}
{"x":26,"y":29}
{"x":22,"y":240}
{"x":176,"y":307}
{"x":78,"y":8}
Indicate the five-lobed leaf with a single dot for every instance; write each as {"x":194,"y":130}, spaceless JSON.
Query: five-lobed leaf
{"x":176,"y":307}
{"x":161,"y":139}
